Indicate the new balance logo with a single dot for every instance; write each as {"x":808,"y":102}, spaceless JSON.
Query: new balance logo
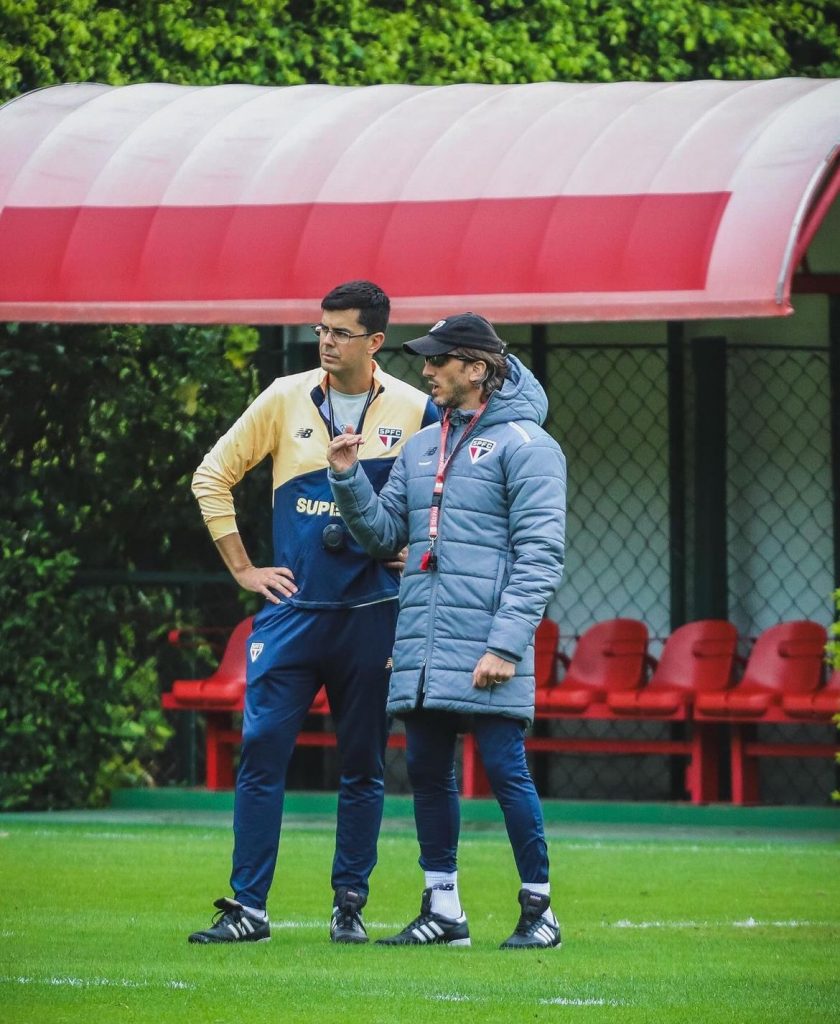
{"x":303,"y":432}
{"x":256,"y":651}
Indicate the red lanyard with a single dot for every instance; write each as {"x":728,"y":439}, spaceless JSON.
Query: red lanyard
{"x":428,"y":561}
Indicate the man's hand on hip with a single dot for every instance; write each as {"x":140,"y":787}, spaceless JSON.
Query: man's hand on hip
{"x":266,"y":581}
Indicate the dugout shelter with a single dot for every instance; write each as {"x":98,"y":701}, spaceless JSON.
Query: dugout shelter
{"x":666,"y":257}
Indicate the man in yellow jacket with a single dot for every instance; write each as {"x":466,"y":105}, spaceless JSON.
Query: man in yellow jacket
{"x":330,"y":608}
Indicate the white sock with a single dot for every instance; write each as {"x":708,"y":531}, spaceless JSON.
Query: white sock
{"x":259,"y":915}
{"x":542,"y":889}
{"x":445,"y":899}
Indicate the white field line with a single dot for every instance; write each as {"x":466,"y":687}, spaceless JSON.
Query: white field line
{"x":749,"y":922}
{"x":54,"y":833}
{"x":456,"y":997}
{"x":753,"y":848}
{"x":572,"y":1001}
{"x":801,"y":847}
{"x":129,"y":834}
{"x":66,"y":980}
{"x":323,"y":922}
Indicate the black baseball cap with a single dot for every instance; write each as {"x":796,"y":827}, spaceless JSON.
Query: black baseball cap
{"x":463,"y":330}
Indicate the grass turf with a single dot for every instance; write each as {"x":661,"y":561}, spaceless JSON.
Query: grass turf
{"x":97,"y":914}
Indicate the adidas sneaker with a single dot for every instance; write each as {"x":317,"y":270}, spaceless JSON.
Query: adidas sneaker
{"x":533,"y":931}
{"x":431,"y":929}
{"x":232,"y":923}
{"x":346,"y":921}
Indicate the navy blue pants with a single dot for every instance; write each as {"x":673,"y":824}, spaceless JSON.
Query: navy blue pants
{"x":346,"y":650}
{"x":430,"y":752}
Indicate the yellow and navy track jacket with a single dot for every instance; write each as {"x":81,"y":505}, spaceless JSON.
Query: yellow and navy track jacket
{"x":286,"y":422}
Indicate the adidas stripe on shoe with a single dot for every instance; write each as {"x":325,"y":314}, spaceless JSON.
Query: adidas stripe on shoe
{"x":431,"y":929}
{"x":533,"y":930}
{"x":232,"y":924}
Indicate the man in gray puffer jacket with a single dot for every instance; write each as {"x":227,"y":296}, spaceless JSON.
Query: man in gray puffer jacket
{"x":480,"y":501}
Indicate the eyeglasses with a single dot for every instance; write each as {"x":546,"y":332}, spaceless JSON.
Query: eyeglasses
{"x":443,"y":359}
{"x":340,"y":335}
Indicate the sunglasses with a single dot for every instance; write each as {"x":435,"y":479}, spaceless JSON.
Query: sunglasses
{"x":443,"y":359}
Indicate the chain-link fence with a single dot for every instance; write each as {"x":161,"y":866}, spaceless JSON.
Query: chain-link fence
{"x":631,"y":552}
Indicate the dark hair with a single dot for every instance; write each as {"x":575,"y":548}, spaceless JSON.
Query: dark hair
{"x":496,"y":363}
{"x":373,"y":304}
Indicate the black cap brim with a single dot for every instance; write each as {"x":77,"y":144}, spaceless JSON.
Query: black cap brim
{"x":428,"y":345}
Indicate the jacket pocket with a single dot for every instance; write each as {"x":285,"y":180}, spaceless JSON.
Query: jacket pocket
{"x":503,"y":571}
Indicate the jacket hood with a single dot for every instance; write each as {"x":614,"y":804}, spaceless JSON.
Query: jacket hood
{"x":521,"y":397}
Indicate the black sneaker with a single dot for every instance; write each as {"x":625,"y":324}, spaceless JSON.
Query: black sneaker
{"x":346,"y":921}
{"x":233,"y":924}
{"x":431,"y":929}
{"x":533,"y":931}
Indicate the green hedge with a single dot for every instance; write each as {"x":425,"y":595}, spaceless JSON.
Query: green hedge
{"x":101,"y":429}
{"x":102,"y":426}
{"x":347,"y":42}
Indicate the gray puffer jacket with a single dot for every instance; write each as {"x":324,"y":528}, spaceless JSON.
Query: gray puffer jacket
{"x":500,"y":551}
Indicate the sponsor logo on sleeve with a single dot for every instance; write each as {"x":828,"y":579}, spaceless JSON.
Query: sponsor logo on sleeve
{"x":480,"y":447}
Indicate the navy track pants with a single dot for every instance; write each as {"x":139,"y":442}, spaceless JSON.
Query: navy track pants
{"x":346,"y":650}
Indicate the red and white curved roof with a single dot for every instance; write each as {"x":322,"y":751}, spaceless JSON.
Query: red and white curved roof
{"x":544,"y":202}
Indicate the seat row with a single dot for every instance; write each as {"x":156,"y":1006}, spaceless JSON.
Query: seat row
{"x":783,"y":678}
{"x":698,"y":679}
{"x":610,"y":676}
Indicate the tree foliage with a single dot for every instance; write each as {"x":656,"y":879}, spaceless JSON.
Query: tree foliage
{"x":102,"y":426}
{"x":350,"y":42}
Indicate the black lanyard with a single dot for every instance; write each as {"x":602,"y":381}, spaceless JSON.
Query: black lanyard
{"x":368,"y":400}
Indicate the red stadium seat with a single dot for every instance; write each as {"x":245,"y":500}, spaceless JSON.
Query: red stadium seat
{"x":220,"y":695}
{"x":817,"y":705}
{"x":697,"y":658}
{"x":223,"y":688}
{"x":785,"y":659}
{"x":609,"y":656}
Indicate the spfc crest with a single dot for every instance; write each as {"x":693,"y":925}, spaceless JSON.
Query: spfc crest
{"x":479,"y":447}
{"x":256,"y":651}
{"x":390,"y":435}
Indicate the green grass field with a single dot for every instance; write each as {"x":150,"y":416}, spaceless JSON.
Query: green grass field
{"x":657,"y":927}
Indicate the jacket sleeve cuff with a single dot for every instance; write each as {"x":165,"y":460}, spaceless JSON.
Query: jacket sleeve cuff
{"x":506,"y":655}
{"x":343,"y":474}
